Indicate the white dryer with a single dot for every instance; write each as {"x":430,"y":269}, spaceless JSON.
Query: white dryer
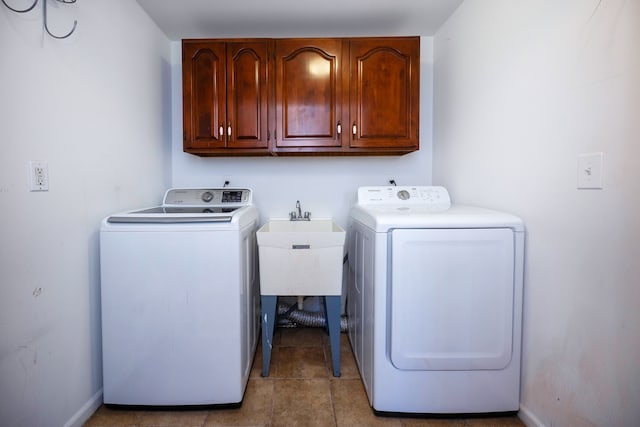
{"x":435,"y":302}
{"x":180,"y":299}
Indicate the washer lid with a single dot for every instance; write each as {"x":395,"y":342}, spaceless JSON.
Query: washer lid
{"x":192,"y":205}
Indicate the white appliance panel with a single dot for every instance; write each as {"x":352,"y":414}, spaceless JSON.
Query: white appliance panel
{"x":250,"y":299}
{"x":354,"y":292}
{"x":158,"y":344}
{"x":451,"y":299}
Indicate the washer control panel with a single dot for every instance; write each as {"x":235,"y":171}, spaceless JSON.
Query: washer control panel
{"x":207,"y":197}
{"x":403,"y":195}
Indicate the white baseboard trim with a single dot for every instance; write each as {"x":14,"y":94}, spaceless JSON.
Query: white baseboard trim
{"x":529,"y":418}
{"x":86,"y":411}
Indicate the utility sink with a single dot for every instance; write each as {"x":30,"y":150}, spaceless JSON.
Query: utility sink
{"x":301,"y":257}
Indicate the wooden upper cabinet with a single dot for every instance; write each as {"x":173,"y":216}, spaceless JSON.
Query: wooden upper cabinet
{"x":309,"y":93}
{"x":328,"y":96}
{"x":385,"y":93}
{"x":225,"y":97}
{"x":347,"y":96}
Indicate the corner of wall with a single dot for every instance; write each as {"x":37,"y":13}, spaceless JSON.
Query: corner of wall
{"x":529,"y":418}
{"x":85,"y":412}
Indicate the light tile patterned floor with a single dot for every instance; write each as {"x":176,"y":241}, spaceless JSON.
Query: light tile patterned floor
{"x":300,"y":391}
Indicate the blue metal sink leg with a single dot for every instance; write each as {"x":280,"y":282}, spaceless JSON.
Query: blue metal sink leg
{"x":268,"y":324}
{"x":332,"y":307}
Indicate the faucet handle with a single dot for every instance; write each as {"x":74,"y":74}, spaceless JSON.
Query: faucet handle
{"x":307,"y":216}
{"x":292,"y":216}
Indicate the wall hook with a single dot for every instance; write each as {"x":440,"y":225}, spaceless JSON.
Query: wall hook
{"x":18,"y":10}
{"x":44,"y":18}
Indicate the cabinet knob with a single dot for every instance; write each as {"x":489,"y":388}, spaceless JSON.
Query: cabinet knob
{"x":354,"y":129}
{"x":229,"y":130}
{"x":221,"y":130}
{"x":339,"y":128}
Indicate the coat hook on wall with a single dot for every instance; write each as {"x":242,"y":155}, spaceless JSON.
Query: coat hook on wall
{"x":44,"y":16}
{"x":21,"y":10}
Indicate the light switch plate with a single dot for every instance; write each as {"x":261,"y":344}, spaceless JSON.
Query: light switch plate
{"x":590,"y":171}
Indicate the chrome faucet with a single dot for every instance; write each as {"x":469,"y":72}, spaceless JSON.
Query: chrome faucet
{"x":297,"y":214}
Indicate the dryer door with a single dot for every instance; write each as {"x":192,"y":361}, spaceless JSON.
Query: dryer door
{"x":451,"y":296}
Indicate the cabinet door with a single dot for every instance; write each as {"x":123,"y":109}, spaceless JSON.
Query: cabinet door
{"x":204,"y":95}
{"x":309,"y":92}
{"x":246,"y":125}
{"x":384,"y":93}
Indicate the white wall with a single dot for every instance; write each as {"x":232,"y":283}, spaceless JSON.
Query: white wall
{"x":325,"y":186}
{"x":96,"y":106}
{"x":522,"y":88}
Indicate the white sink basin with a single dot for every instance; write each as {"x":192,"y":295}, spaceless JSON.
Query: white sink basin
{"x":301,"y":257}
{"x":315,"y":233}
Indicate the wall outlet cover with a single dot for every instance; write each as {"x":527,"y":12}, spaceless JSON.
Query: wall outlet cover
{"x":38,"y":176}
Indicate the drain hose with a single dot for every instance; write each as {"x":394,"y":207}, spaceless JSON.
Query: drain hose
{"x":290,"y":314}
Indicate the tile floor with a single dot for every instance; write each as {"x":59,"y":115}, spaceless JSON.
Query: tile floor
{"x":300,"y":391}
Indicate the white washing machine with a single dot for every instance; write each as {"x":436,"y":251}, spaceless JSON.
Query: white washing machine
{"x":180,"y":299}
{"x":435,"y":302}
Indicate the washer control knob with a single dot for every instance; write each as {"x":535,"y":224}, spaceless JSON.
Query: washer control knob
{"x":403,"y":195}
{"x":207,"y":196}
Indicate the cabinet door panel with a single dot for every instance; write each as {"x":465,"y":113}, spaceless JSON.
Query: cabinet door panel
{"x":247,"y":95}
{"x":204,"y":94}
{"x":385,"y":92}
{"x":309,"y":92}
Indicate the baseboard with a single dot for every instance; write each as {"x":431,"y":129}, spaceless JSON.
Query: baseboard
{"x":529,"y":418}
{"x":86,"y":411}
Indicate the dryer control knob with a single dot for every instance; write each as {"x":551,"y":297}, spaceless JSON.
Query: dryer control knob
{"x":403,"y":195}
{"x":207,"y":196}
